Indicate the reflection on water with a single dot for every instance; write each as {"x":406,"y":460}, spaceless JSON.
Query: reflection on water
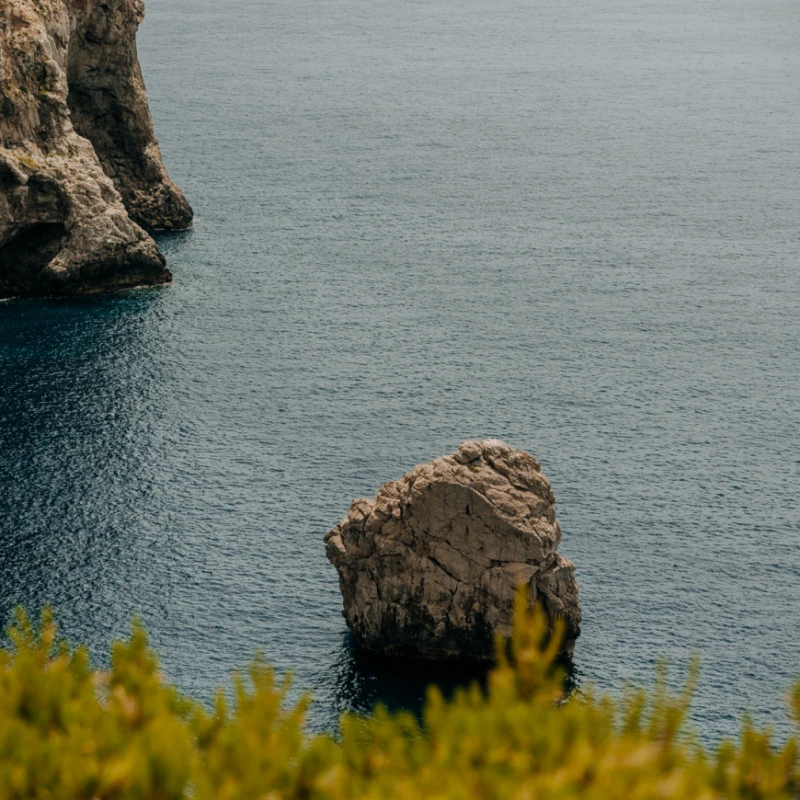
{"x":364,"y":680}
{"x":80,"y":396}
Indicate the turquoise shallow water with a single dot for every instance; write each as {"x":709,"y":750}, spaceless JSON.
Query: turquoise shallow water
{"x":571,"y":226}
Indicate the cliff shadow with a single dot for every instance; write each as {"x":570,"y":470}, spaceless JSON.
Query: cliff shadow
{"x":82,"y":395}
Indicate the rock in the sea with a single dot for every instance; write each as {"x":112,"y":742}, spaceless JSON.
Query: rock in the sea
{"x":80,"y":168}
{"x":429,"y":568}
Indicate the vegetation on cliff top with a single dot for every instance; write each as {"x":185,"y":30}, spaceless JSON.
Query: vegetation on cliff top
{"x":68,"y":732}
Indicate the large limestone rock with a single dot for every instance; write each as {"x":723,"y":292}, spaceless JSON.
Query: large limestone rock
{"x":80,"y":168}
{"x":429,"y":568}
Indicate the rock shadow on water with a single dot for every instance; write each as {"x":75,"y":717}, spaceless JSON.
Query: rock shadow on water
{"x":366,"y":680}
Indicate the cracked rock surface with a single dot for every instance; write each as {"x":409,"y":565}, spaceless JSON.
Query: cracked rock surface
{"x":429,"y":568}
{"x":80,"y":168}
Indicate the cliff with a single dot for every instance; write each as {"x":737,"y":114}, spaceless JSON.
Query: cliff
{"x":81,"y":174}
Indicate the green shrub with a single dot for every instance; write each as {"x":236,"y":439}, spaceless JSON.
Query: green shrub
{"x":68,"y":732}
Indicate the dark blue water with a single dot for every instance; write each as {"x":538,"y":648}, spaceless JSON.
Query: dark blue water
{"x":573,"y":226}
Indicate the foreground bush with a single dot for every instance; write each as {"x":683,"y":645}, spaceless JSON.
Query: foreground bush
{"x":68,"y":732}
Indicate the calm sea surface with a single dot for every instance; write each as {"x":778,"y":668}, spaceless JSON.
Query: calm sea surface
{"x":573,"y":226}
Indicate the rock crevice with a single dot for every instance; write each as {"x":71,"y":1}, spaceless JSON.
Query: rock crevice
{"x":80,"y":170}
{"x":429,"y":568}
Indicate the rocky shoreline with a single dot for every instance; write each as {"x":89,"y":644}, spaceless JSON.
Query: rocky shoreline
{"x":81,"y":175}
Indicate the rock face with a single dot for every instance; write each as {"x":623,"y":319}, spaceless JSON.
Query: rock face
{"x":80,"y":168}
{"x":429,"y":567}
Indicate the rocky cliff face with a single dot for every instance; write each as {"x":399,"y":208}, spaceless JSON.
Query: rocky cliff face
{"x":430,"y":567}
{"x":80,"y":168}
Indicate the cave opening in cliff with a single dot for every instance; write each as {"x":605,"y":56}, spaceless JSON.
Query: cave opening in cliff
{"x":31,"y":249}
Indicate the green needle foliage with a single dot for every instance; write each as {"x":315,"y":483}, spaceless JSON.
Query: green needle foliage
{"x":69,"y":733}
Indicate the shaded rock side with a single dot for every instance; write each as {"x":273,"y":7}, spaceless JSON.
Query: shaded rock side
{"x":108,"y":103}
{"x":429,"y":568}
{"x":64,"y":225}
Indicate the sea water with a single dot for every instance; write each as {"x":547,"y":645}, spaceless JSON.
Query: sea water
{"x":573,"y":226}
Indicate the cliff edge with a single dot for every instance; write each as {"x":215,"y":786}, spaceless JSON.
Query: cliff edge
{"x":81,"y":174}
